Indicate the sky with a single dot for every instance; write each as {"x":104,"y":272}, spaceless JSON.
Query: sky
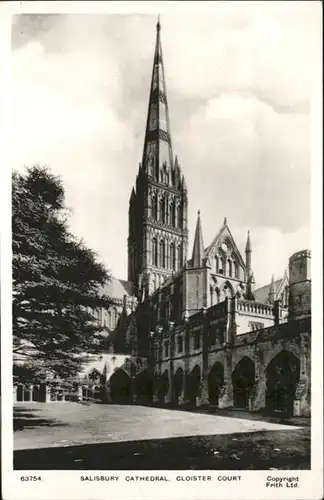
{"x":239,"y":83}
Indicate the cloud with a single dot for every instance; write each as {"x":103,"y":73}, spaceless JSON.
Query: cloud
{"x":238,"y":84}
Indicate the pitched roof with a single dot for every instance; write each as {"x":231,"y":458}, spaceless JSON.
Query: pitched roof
{"x":116,"y":288}
{"x":262,"y":294}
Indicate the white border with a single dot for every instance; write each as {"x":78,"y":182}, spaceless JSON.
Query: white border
{"x":67,"y":484}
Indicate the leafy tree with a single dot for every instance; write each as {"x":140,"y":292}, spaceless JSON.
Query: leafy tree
{"x":57,"y":281}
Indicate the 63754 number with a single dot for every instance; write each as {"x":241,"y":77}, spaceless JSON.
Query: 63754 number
{"x":30,"y":478}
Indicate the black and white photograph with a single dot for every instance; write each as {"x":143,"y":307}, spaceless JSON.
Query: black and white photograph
{"x":162,"y":245}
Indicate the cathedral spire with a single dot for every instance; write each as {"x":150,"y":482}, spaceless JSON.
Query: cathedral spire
{"x":157,"y":144}
{"x":198,"y":246}
{"x":158,"y":228}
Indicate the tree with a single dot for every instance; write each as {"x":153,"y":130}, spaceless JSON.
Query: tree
{"x":57,"y":281}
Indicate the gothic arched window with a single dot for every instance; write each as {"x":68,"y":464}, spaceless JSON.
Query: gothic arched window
{"x":162,"y":253}
{"x":179,"y":257}
{"x":173,"y":213}
{"x":154,"y":207}
{"x":216,"y":263}
{"x":172,"y":257}
{"x":230,"y":270}
{"x":236,"y":269}
{"x":154,"y":252}
{"x":178,"y":216}
{"x":162,"y":210}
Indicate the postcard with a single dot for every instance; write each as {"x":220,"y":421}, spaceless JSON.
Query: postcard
{"x":161,"y":250}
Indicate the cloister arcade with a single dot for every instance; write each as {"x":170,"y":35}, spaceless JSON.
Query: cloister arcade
{"x":280,"y":381}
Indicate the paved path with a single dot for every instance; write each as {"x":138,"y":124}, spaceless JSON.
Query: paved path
{"x":65,"y":424}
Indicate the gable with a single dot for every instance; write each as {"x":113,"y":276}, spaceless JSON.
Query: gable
{"x":224,"y":236}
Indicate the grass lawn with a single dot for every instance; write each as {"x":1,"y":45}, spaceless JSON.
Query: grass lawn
{"x":73,"y":436}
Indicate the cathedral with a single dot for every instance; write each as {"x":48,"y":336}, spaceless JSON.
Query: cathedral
{"x":195,"y":330}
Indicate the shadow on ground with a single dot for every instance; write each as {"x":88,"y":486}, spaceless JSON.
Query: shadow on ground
{"x":277,"y":418}
{"x":249,"y":451}
{"x":25,"y":417}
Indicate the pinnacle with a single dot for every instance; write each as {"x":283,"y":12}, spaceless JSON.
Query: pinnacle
{"x":248,"y":242}
{"x":198,"y":247}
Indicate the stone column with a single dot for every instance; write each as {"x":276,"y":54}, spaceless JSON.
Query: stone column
{"x":47,"y":394}
{"x":156,"y":387}
{"x":183,"y":399}
{"x":226,"y":394}
{"x":204,"y":395}
{"x":186,"y":375}
{"x":171,"y":353}
{"x":258,"y":400}
{"x":233,"y":322}
{"x":31,"y":392}
{"x":227,"y":336}
{"x":168,"y":397}
{"x":14,"y":393}
{"x":203,"y":398}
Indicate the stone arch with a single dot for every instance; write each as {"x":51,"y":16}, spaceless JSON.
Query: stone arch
{"x":120,"y":387}
{"x":97,"y":393}
{"x":144,"y":387}
{"x":35,"y":393}
{"x":26,"y":393}
{"x":243,"y":379}
{"x":177,"y":385}
{"x":194,"y":385}
{"x":282,"y":375}
{"x":20,"y":392}
{"x":269,"y":354}
{"x":215,"y":382}
{"x":42,"y":393}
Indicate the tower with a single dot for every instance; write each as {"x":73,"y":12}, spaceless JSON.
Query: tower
{"x":158,"y":234}
{"x":300,"y":285}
